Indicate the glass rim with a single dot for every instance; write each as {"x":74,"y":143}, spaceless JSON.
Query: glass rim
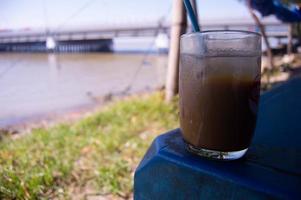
{"x":201,"y":33}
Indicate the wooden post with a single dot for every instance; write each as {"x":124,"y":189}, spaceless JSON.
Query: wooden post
{"x":265,"y":38}
{"x":289,"y":39}
{"x":178,"y":27}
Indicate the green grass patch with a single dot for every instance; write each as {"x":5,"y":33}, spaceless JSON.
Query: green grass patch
{"x":97,"y":154}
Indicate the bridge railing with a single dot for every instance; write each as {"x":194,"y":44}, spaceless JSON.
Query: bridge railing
{"x":273,"y":30}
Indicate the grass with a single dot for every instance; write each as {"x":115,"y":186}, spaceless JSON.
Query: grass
{"x":96,"y":155}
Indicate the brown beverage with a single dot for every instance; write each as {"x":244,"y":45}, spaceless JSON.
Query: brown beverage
{"x":218,"y":101}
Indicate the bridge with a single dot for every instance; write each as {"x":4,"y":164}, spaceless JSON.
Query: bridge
{"x":101,"y":39}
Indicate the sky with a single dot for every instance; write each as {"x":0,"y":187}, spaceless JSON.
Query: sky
{"x":36,"y":14}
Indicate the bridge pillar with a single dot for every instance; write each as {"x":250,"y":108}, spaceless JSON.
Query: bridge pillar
{"x":50,"y":43}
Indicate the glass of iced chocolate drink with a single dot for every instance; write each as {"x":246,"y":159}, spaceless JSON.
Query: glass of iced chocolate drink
{"x":219,"y":90}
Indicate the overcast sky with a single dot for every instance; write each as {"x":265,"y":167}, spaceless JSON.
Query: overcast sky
{"x":19,"y":14}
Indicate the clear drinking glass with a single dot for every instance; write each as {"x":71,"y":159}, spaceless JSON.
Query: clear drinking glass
{"x":219,"y":90}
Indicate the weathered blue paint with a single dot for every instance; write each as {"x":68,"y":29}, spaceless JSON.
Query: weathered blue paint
{"x":271,"y":168}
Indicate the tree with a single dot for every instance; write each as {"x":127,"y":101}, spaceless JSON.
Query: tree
{"x":294,"y":29}
{"x":262,"y":30}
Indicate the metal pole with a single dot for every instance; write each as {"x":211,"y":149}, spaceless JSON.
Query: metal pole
{"x":178,"y":27}
{"x":289,"y":39}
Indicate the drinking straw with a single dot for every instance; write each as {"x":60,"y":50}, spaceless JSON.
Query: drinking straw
{"x":192,"y":16}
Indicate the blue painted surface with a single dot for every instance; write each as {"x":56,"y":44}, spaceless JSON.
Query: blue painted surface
{"x":282,"y":12}
{"x":271,"y":169}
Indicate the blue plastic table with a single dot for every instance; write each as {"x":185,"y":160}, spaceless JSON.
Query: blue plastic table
{"x":271,"y":168}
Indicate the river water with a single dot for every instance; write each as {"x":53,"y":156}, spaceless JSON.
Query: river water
{"x":37,"y":84}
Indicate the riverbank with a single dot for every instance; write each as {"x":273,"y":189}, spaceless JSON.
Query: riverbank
{"x":79,"y":160}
